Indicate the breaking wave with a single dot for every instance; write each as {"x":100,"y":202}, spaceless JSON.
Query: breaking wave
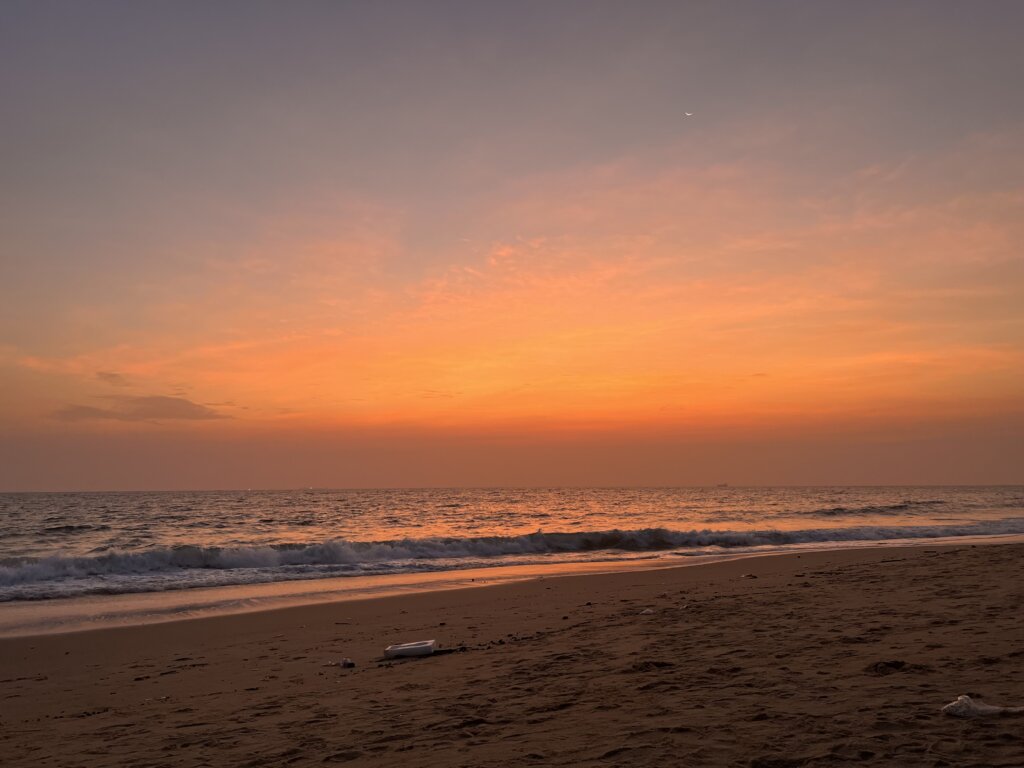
{"x":183,"y":566}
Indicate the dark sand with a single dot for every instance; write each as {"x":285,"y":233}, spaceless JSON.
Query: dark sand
{"x":835,"y":658}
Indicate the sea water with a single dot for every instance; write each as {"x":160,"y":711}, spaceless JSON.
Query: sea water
{"x":65,"y":547}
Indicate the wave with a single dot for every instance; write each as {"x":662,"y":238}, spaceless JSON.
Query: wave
{"x":880,"y":509}
{"x":899,"y":509}
{"x":73,"y":529}
{"x":339,"y":552}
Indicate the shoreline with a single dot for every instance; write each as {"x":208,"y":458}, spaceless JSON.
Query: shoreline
{"x":811,"y":658}
{"x":32,"y":618}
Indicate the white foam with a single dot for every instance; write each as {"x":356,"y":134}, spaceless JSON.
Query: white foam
{"x":188,"y":566}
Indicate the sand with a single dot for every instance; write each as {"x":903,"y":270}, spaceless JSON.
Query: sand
{"x":823,"y":659}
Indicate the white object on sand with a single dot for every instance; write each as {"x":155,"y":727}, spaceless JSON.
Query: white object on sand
{"x":646,"y":612}
{"x":965,"y":706}
{"x":419,"y":648}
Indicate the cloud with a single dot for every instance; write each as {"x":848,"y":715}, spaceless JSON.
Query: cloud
{"x":147,"y":408}
{"x":627,"y":295}
{"x":112,"y":378}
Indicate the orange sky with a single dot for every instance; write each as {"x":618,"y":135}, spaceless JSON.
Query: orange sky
{"x":776,"y":296}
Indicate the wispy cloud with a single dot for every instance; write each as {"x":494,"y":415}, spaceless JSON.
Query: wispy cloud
{"x":145,"y":408}
{"x":609,"y":295}
{"x":113,"y":378}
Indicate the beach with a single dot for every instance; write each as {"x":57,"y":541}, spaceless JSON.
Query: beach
{"x":656,"y":368}
{"x":817,"y":658}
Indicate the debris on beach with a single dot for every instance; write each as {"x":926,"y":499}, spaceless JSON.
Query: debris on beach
{"x":345,"y":663}
{"x":965,"y":706}
{"x":646,"y":611}
{"x":418,"y":648}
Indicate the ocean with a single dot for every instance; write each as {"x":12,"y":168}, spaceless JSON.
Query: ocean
{"x":60,"y":548}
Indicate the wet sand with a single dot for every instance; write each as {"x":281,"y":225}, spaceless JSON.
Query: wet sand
{"x":816,"y":659}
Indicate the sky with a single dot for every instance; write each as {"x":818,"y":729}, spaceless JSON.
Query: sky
{"x":406,"y":244}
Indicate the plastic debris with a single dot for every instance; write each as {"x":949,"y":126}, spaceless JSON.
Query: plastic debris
{"x":646,"y":611}
{"x":419,"y":648}
{"x":965,"y":706}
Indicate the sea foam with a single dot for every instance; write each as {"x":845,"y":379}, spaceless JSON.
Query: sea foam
{"x":338,"y":556}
